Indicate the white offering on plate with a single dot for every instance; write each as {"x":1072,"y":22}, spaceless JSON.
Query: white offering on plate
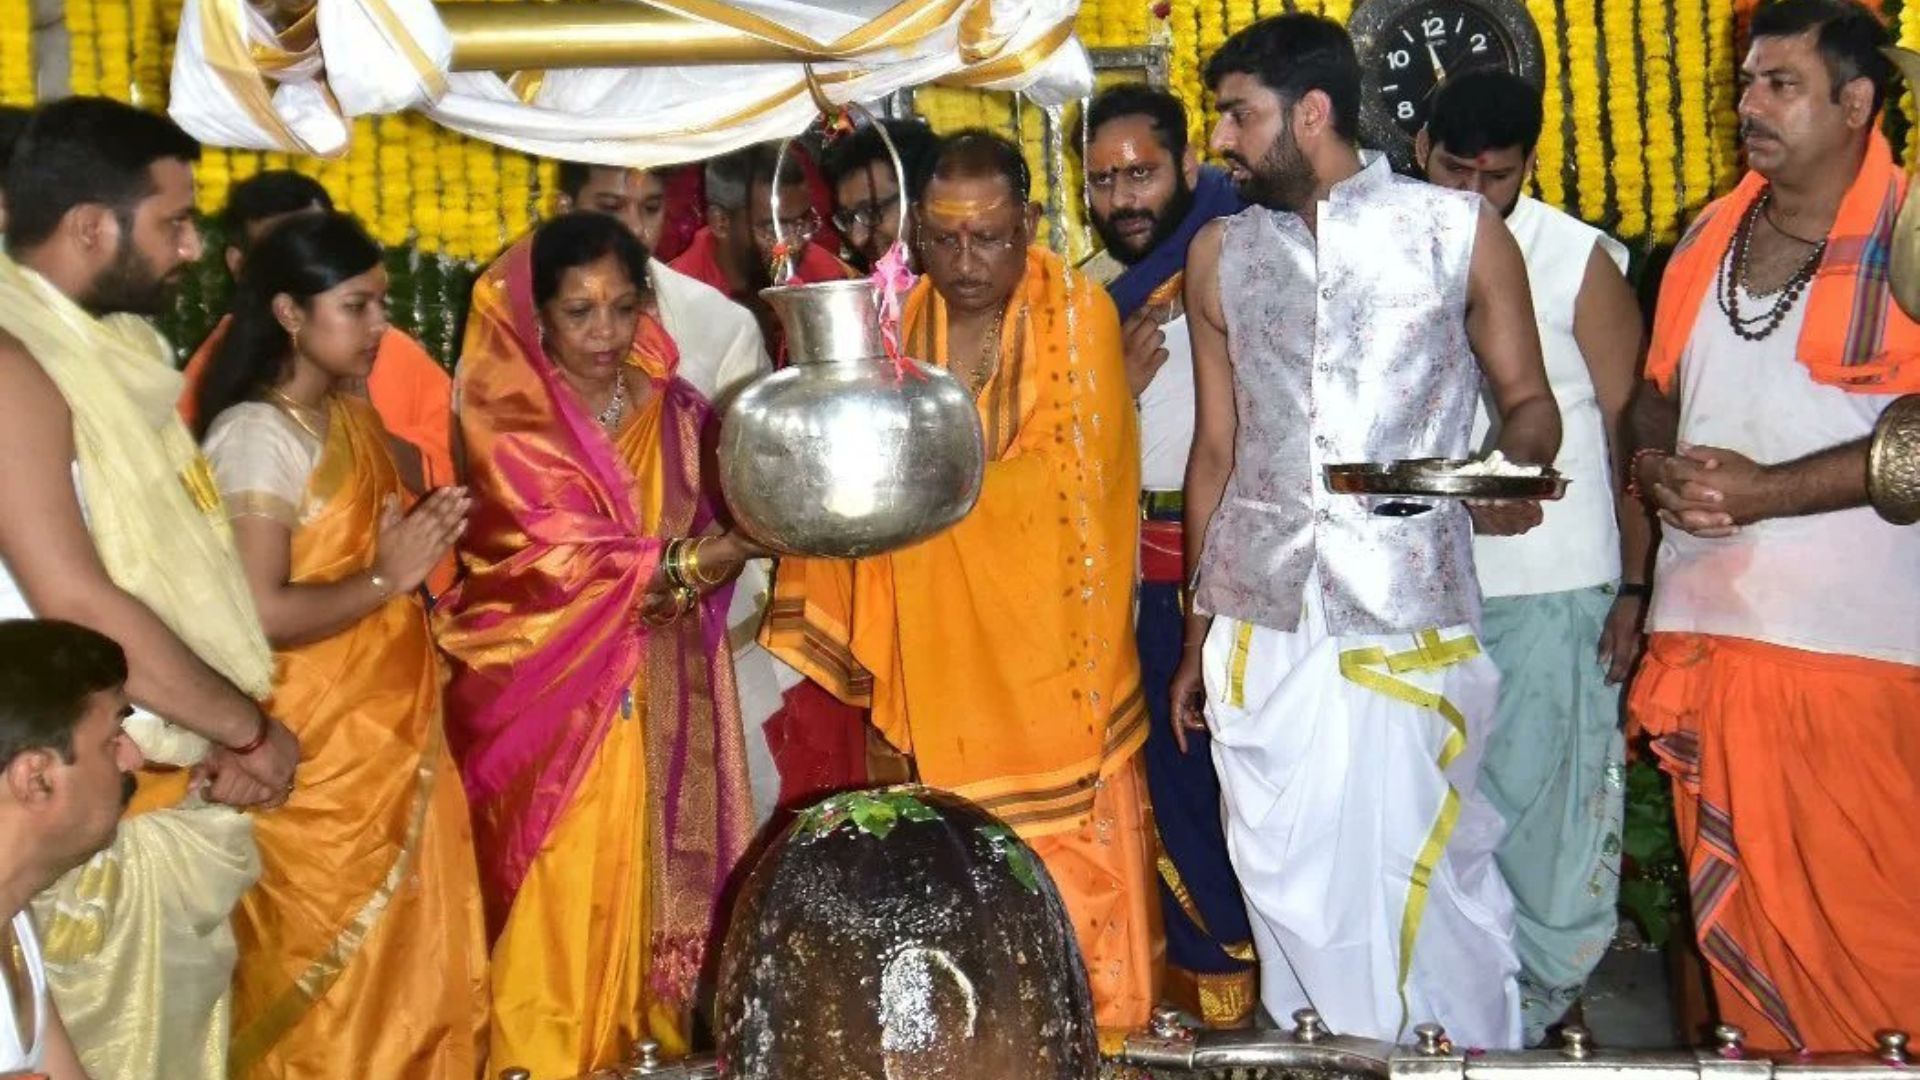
{"x":1496,"y":464}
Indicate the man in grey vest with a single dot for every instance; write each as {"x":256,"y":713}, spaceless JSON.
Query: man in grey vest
{"x":1564,"y":602}
{"x":1349,"y":315}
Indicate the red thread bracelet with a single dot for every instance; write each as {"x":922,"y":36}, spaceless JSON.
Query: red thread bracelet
{"x":259,"y":740}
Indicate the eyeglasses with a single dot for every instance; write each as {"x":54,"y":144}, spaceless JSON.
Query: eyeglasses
{"x":797,"y":230}
{"x":866,"y":215}
{"x":952,"y":246}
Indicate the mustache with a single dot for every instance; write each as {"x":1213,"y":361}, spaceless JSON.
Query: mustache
{"x":1750,"y":128}
{"x":1130,"y":215}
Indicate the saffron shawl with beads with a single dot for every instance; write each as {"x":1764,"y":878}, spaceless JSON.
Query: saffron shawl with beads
{"x":1855,"y":336}
{"x":544,"y":632}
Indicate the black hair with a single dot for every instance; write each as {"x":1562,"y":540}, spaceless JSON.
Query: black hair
{"x":731,"y":178}
{"x":1162,"y":110}
{"x":977,"y":152}
{"x":571,"y":177}
{"x":1485,"y":110}
{"x":862,"y":149}
{"x":84,"y":150}
{"x":577,"y":239}
{"x":302,"y":258}
{"x":269,"y":194}
{"x":48,"y":670}
{"x":13,"y":124}
{"x":1293,"y":55}
{"x":1848,"y":35}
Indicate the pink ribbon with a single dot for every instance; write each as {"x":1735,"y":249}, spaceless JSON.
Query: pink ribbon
{"x":893,"y":279}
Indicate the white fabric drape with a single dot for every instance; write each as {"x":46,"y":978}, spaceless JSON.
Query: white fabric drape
{"x":238,"y":83}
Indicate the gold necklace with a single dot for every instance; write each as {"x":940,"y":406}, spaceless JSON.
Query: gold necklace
{"x":298,"y":413}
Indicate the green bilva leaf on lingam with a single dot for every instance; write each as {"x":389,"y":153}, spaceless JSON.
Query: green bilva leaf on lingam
{"x":875,"y":817}
{"x":872,"y":813}
{"x":1017,"y":856}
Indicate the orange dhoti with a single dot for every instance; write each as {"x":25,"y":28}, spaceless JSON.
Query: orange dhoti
{"x":1796,"y":781}
{"x":1000,"y":653}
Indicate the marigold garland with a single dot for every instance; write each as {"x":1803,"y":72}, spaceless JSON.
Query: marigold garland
{"x":1723,"y":126}
{"x":1183,"y":64}
{"x":1623,"y":118}
{"x":212,"y":177}
{"x":115,"y":25}
{"x":1656,"y":73}
{"x":483,"y":200}
{"x":1910,"y":39}
{"x":83,"y":47}
{"x":1589,"y":152}
{"x":149,"y":90}
{"x":396,"y":182}
{"x":363,"y":173}
{"x":1550,"y":155}
{"x":1690,"y":53}
{"x":16,"y":54}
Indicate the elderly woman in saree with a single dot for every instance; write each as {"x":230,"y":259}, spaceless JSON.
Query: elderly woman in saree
{"x":592,"y":705}
{"x":362,"y":948}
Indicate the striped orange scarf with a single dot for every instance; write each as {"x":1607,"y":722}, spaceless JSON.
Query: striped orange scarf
{"x":1855,"y":337}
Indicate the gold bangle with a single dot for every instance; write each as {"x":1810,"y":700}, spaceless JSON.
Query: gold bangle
{"x":1893,"y":462}
{"x":699,"y":577}
{"x":694,"y":577}
{"x":673,"y":563}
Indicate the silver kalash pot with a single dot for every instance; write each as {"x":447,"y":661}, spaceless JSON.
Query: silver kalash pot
{"x":840,"y":454}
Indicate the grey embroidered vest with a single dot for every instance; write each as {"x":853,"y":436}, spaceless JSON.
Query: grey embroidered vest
{"x":1353,"y":349}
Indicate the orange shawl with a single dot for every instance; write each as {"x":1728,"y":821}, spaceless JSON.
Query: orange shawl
{"x":1855,"y":337}
{"x":1000,"y":652}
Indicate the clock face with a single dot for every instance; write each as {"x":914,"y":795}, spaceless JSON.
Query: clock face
{"x":1409,"y":47}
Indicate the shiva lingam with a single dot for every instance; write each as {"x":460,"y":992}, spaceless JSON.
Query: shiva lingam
{"x":853,"y":449}
{"x":903,"y":934}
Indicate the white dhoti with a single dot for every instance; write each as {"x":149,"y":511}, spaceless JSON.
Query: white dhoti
{"x":1347,"y":766}
{"x":138,"y":947}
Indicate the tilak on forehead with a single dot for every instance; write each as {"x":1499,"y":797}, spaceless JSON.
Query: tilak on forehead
{"x":964,"y":208}
{"x":599,"y":282}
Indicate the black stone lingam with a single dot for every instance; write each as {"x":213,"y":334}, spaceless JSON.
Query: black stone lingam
{"x":903,"y":934}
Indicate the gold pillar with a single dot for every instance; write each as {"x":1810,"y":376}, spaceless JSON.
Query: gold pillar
{"x":582,"y":33}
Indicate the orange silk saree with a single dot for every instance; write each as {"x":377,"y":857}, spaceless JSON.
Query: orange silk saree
{"x":362,"y":951}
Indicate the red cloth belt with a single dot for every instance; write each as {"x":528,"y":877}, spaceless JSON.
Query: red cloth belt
{"x":1162,"y":553}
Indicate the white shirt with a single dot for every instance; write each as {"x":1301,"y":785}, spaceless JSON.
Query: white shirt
{"x":1845,"y":582}
{"x":1166,"y":414}
{"x":719,"y":341}
{"x":1577,"y":544}
{"x":15,"y":1057}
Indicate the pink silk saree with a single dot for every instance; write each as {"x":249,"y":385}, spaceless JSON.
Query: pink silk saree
{"x":543,"y":631}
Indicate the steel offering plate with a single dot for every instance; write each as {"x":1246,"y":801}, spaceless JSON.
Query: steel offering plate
{"x":1439,"y":478}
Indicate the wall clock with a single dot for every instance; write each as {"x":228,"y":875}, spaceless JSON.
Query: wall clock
{"x":1409,"y":47}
